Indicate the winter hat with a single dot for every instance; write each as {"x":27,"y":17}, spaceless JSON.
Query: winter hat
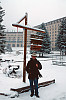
{"x":34,"y":54}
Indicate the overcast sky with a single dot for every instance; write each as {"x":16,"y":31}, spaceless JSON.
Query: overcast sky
{"x":39,"y":11}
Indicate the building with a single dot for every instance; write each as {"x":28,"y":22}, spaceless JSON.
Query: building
{"x":14,"y":39}
{"x":28,"y":37}
{"x":52,"y":28}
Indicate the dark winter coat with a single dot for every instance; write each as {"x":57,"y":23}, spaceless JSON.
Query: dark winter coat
{"x":32,"y":70}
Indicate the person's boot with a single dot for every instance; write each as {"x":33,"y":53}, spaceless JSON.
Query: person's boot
{"x":37,"y":96}
{"x":31,"y":94}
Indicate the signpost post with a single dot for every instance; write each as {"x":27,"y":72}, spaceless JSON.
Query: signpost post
{"x":25,"y":46}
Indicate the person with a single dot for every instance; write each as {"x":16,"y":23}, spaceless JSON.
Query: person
{"x":32,"y":68}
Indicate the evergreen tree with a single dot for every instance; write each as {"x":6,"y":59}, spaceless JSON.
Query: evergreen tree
{"x":46,"y":48}
{"x":2,"y":27}
{"x":61,"y":38}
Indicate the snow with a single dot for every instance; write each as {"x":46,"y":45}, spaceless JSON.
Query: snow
{"x":56,"y":91}
{"x":36,"y":34}
{"x":36,"y":44}
{"x":36,"y":39}
{"x":28,"y":27}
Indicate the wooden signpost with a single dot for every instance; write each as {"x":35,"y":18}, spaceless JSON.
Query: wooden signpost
{"x":36,"y":42}
{"x":25,"y":40}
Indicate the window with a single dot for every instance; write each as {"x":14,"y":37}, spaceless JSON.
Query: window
{"x":52,"y":39}
{"x":50,"y":26}
{"x":52,"y":44}
{"x":55,"y":27}
{"x":47,"y":27}
{"x":45,"y":24}
{"x":9,"y":38}
{"x":9,"y":44}
{"x":52,"y":34}
{"x":13,"y":45}
{"x":58,"y":25}
{"x":50,"y":29}
{"x":18,"y":38}
{"x":55,"y":31}
{"x":21,"y":45}
{"x":13,"y":38}
{"x":17,"y":45}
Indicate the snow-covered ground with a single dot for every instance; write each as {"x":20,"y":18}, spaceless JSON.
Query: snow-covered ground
{"x":56,"y":91}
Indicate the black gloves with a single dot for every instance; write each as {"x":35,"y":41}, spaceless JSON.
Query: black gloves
{"x":40,"y":75}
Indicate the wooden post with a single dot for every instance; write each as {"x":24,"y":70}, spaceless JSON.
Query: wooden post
{"x":25,"y":46}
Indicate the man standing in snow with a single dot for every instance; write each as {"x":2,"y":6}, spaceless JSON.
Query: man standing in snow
{"x":33,"y":67}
